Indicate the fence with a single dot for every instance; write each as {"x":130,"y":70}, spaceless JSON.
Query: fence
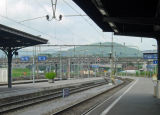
{"x":66,"y":61}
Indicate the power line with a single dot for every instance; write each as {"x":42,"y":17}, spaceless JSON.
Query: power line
{"x":43,"y":17}
{"x":50,"y":45}
{"x":6,"y":4}
{"x":41,"y":6}
{"x":29,"y":27}
{"x":82,"y":17}
{"x":77,"y":13}
{"x":71,"y":7}
{"x":54,"y":5}
{"x":73,"y":15}
{"x":74,"y":33}
{"x":64,"y":15}
{"x":33,"y":19}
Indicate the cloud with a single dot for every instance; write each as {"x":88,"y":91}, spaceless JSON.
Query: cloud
{"x":71,"y":30}
{"x":2,"y":7}
{"x":21,"y":10}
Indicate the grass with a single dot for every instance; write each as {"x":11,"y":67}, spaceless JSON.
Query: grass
{"x":19,"y":72}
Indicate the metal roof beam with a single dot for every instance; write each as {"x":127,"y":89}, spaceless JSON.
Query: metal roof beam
{"x":136,"y":34}
{"x":21,"y":34}
{"x":157,"y":27}
{"x":133,"y":20}
{"x":158,"y":9}
{"x":99,"y":5}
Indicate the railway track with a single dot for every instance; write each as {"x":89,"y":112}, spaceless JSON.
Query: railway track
{"x":13,"y":103}
{"x":86,"y":106}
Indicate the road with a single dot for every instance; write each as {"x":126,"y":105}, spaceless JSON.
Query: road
{"x":135,"y":99}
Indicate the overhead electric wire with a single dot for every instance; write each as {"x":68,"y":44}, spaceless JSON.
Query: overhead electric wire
{"x":41,"y":6}
{"x":32,"y":19}
{"x":77,"y":12}
{"x":53,"y":10}
{"x":73,"y":15}
{"x":45,"y":16}
{"x":41,"y":17}
{"x":74,"y":33}
{"x":6,"y":4}
{"x":29,"y":27}
{"x":82,"y":17}
{"x":71,"y":7}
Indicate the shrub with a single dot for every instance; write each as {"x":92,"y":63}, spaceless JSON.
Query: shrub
{"x":142,"y":73}
{"x":137,"y":73}
{"x":50,"y":75}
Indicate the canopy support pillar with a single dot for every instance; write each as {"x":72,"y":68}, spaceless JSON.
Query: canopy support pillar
{"x":9,"y":51}
{"x":158,"y":76}
{"x":9,"y":55}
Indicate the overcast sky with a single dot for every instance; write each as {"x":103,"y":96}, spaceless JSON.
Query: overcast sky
{"x":71,"y":30}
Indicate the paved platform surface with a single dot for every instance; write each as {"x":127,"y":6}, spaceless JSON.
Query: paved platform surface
{"x":135,"y":99}
{"x":21,"y":89}
{"x":24,"y":81}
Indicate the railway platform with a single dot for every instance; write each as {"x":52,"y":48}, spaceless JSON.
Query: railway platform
{"x":21,"y":89}
{"x":22,"y":94}
{"x":28,"y":96}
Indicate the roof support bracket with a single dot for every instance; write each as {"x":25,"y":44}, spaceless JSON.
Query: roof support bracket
{"x":9,"y":51}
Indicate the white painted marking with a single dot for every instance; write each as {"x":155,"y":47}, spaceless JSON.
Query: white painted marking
{"x":116,"y":101}
{"x":100,"y":104}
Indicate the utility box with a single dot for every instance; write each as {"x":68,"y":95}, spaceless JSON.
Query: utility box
{"x":3,"y":75}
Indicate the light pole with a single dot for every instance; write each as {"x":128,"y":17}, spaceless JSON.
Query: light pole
{"x":138,"y":55}
{"x":110,"y":57}
{"x":33,"y":66}
{"x":74,"y":64}
{"x":69,"y":67}
{"x":83,"y":54}
{"x":116,"y":59}
{"x":95,"y":65}
{"x":88,"y":62}
{"x":60,"y":64}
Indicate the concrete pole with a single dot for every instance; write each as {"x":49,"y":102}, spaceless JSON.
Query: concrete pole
{"x":74,"y":65}
{"x":60,"y":64}
{"x":56,"y":70}
{"x":95,"y":67}
{"x":116,"y":66}
{"x":81,"y":69}
{"x":111,"y":65}
{"x":112,"y":57}
{"x":88,"y":71}
{"x":33,"y":68}
{"x":69,"y":66}
{"x":78,"y":67}
{"x":37,"y":64}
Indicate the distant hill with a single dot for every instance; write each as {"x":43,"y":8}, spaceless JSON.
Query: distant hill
{"x":99,"y":51}
{"x":119,"y":51}
{"x":30,"y":53}
{"x":149,"y":51}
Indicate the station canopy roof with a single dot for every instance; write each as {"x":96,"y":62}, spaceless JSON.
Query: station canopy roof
{"x":124,"y":17}
{"x":10,"y":37}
